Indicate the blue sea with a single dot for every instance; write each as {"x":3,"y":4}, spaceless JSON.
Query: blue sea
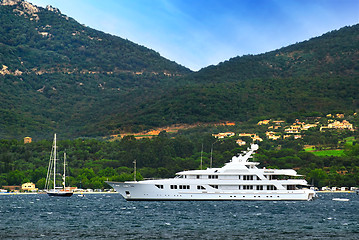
{"x":109,"y":216}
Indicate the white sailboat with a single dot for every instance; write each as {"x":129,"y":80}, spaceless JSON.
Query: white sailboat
{"x":52,"y":175}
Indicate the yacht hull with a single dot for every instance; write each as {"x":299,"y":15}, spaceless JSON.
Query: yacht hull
{"x":140,"y":191}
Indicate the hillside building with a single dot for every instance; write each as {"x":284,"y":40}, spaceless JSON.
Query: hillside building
{"x":240,"y":142}
{"x":339,"y":125}
{"x":263,"y":122}
{"x":223,"y":135}
{"x":27,"y":140}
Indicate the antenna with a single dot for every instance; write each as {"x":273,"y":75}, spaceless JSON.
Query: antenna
{"x":134,"y":172}
{"x":201,"y":155}
{"x":210,"y":165}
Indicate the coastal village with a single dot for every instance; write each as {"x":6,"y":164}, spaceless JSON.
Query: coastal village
{"x":274,"y":129}
{"x":279,"y":129}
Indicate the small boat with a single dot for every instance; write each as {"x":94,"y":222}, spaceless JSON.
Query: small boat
{"x":52,"y":175}
{"x":341,"y":199}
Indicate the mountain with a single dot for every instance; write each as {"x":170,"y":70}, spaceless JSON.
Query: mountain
{"x":58,"y":75}
{"x":319,"y":75}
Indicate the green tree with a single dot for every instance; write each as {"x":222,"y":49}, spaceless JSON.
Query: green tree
{"x":317,"y":177}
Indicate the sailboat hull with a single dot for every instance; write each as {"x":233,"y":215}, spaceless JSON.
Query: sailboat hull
{"x":60,"y":194}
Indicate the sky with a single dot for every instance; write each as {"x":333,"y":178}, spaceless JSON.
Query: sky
{"x":199,"y":33}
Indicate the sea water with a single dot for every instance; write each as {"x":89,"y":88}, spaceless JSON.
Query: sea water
{"x":109,"y":216}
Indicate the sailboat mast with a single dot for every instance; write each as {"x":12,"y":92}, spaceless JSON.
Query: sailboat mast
{"x":55,"y":161}
{"x":134,"y":170}
{"x":64,"y":177}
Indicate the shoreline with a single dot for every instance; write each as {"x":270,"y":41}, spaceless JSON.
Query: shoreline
{"x":83,"y":193}
{"x":42,"y":193}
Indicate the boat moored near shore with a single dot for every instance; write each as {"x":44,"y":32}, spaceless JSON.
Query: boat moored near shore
{"x":239,"y":179}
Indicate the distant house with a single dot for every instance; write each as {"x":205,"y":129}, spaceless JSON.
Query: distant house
{"x":27,"y":140}
{"x":292,"y":129}
{"x":253,"y":136}
{"x":246,"y":134}
{"x":339,"y":125}
{"x":240,"y":142}
{"x":223,"y":135}
{"x":29,"y":187}
{"x":307,"y":126}
{"x":263,"y":122}
{"x":257,"y":138}
{"x":12,"y":188}
{"x":272,"y":135}
{"x":278,"y":122}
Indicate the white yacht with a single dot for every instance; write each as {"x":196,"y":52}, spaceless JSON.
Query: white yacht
{"x":239,"y":179}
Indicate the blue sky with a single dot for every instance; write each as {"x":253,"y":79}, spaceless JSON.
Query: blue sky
{"x":198,"y":33}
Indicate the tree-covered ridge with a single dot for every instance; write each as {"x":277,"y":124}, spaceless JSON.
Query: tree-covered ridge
{"x":333,"y":54}
{"x":60,"y":76}
{"x":52,"y":42}
{"x":57,"y":74}
{"x":245,"y":100}
{"x":320,"y":74}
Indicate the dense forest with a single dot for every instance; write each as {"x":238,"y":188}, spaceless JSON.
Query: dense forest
{"x":93,"y":161}
{"x":60,"y":76}
{"x":320,"y":74}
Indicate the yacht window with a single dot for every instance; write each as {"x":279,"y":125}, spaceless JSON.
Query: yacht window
{"x":291,"y":187}
{"x":213,"y":176}
{"x":201,"y":187}
{"x":197,"y":176}
{"x":259,"y":187}
{"x":159,"y":186}
{"x":270,"y":177}
{"x":247,"y":177}
{"x":173,"y":186}
{"x":214,"y":186}
{"x":271,"y":187}
{"x":247,"y":187}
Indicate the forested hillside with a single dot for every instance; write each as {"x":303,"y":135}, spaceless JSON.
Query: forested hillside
{"x":60,"y":76}
{"x":318,"y":75}
{"x":91,"y":162}
{"x":57,"y":74}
